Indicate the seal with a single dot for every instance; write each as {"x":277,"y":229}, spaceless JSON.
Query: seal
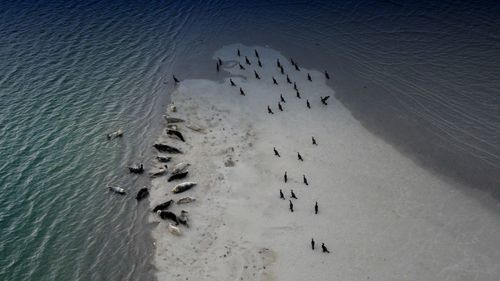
{"x":178,"y":176}
{"x":174,"y":229}
{"x":172,"y":119}
{"x":137,"y":169}
{"x":162,"y":206}
{"x":167,"y":215}
{"x":177,"y":134}
{"x":183,"y":218}
{"x":166,"y":148}
{"x":116,"y":134}
{"x":179,"y":168}
{"x":143,"y":193}
{"x":183,"y":187}
{"x":163,"y":159}
{"x":117,"y":189}
{"x":186,"y":200}
{"x":158,"y":172}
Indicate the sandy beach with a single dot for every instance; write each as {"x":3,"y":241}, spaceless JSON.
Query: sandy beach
{"x":381,"y":216}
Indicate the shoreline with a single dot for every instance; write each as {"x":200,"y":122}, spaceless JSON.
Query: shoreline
{"x":380,"y":215}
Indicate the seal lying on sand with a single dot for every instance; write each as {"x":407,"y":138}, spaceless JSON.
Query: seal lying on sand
{"x":183,"y":218}
{"x":179,"y":168}
{"x":186,"y":200}
{"x":172,"y":119}
{"x":174,"y":229}
{"x":183,"y":187}
{"x":143,"y":193}
{"x":178,"y":176}
{"x":117,"y":189}
{"x":167,"y":215}
{"x":163,"y":159}
{"x":176,"y":134}
{"x":166,"y":148}
{"x":158,"y":172}
{"x":163,"y":206}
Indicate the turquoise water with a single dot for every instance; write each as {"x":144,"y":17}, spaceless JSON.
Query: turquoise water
{"x":423,"y":76}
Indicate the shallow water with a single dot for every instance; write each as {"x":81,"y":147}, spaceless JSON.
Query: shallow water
{"x":423,"y":76}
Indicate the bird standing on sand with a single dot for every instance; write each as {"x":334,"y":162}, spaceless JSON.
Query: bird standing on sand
{"x":220,"y":61}
{"x":316,"y":208}
{"x":285,"y":177}
{"x":291,"y":60}
{"x":239,"y":53}
{"x":281,"y":195}
{"x":269,"y":110}
{"x":175,"y":79}
{"x":232,"y":82}
{"x":241,"y":66}
{"x":279,"y":106}
{"x":259,"y":63}
{"x":295,"y":86}
{"x":325,"y":250}
{"x":298,"y":94}
{"x":274,"y":81}
{"x":297,"y":67}
{"x":247,"y":61}
{"x":276,"y":152}
{"x":300,"y":157}
{"x":292,"y":194}
{"x":314,"y":141}
{"x":278,"y":63}
{"x":241,"y":92}
{"x":309,"y":77}
{"x":282,"y":99}
{"x":327,"y":75}
{"x":308,"y":104}
{"x":256,"y":53}
{"x":282,"y":70}
{"x":291,"y":206}
{"x":305,"y":180}
{"x":288,"y":80}
{"x":256,"y":74}
{"x":312,"y":244}
{"x":324,"y":99}
{"x":217,"y":67}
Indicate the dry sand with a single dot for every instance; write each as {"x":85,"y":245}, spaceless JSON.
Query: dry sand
{"x":381,"y":216}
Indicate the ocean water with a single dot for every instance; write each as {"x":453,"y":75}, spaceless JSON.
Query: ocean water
{"x":424,"y":76}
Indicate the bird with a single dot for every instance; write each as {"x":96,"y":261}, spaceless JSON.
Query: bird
{"x":259,"y":63}
{"x":300,"y":157}
{"x":279,"y":106}
{"x":312,"y":244}
{"x":232,"y":82}
{"x":298,"y":94}
{"x":247,"y":61}
{"x":282,"y":70}
{"x":256,"y":74}
{"x":241,"y":66}
{"x":314,"y":141}
{"x":291,"y":206}
{"x":295,"y":86}
{"x":316,"y":208}
{"x":325,"y":250}
{"x":285,"y":177}
{"x":292,"y":194}
{"x":308,"y":104}
{"x":269,"y":110}
{"x":309,"y":77}
{"x":274,"y":81}
{"x":324,"y":99}
{"x":256,"y":53}
{"x":305,"y":180}
{"x":281,"y":195}
{"x":288,"y":80}
{"x":282,"y":99}
{"x":217,"y":67}
{"x":220,"y":61}
{"x":239,"y":52}
{"x":291,"y":60}
{"x":297,"y":67}
{"x":278,"y":63}
{"x":276,"y":152}
{"x":241,"y":92}
{"x":175,"y":79}
{"x":327,"y":75}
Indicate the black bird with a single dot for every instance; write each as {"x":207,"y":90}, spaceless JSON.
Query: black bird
{"x":314,"y":141}
{"x":291,"y":206}
{"x":316,"y":208}
{"x":143,"y":193}
{"x":269,"y":110}
{"x":293,"y":63}
{"x":247,"y":61}
{"x":308,"y":104}
{"x":278,"y":63}
{"x":300,"y":157}
{"x":276,"y":152}
{"x":295,"y":86}
{"x":309,"y":77}
{"x":298,"y":94}
{"x":175,"y":79}
{"x":305,"y":180}
{"x":217,"y":67}
{"x":279,"y":106}
{"x":325,"y":250}
{"x":282,"y":70}
{"x":285,"y":177}
{"x":293,"y":194}
{"x":256,"y":74}
{"x":297,"y":67}
{"x":256,"y":53}
{"x":220,"y":61}
{"x":260,"y":64}
{"x":232,"y":82}
{"x":275,"y":82}
{"x":281,"y":195}
{"x":241,"y":92}
{"x":312,"y":244}
{"x":324,"y":99}
{"x":288,"y":80}
{"x":241,"y":66}
{"x":239,"y":52}
{"x":327,"y":75}
{"x":282,"y":99}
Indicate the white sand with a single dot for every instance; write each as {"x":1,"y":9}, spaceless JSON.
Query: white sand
{"x":381,"y":216}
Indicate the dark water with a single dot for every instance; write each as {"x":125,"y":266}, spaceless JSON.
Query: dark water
{"x":424,"y":76}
